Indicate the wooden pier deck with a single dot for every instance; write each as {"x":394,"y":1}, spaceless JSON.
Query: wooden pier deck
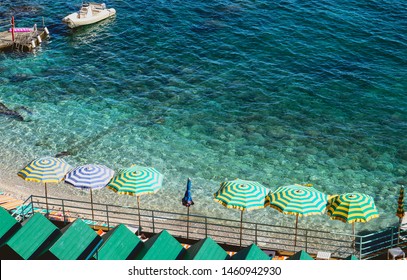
{"x":23,"y":41}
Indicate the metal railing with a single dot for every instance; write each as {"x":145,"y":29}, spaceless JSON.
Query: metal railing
{"x":222,"y":231}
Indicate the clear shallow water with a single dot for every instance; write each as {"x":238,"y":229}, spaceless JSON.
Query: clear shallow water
{"x":279,"y":92}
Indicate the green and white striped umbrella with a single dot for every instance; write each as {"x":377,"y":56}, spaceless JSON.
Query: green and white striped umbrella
{"x":352,"y":208}
{"x":297,"y":200}
{"x":136,"y":181}
{"x":242,"y":195}
{"x":45,"y":170}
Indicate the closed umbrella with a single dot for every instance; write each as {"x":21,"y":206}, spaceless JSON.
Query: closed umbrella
{"x":297,"y":200}
{"x":45,"y":170}
{"x":400,"y":208}
{"x":89,"y":177}
{"x":187,"y":202}
{"x":242,"y":195}
{"x":137,"y":181}
{"x":352,"y":208}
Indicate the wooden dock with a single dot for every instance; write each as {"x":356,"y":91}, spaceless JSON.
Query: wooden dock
{"x":23,"y":41}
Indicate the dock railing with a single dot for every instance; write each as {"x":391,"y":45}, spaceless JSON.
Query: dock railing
{"x":222,"y":231}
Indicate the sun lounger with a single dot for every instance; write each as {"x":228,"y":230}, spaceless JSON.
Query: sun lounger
{"x":5,"y":199}
{"x":12,"y":204}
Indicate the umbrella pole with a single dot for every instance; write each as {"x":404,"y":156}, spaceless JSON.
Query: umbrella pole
{"x":46,"y":200}
{"x":187,"y":224}
{"x":354,"y":237}
{"x":241,"y":228}
{"x":91,"y":205}
{"x":296,"y":226}
{"x":139,"y":222}
{"x":399,"y":229}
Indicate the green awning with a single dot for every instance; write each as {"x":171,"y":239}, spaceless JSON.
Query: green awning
{"x":8,"y":226}
{"x":205,"y":249}
{"x":120,"y":244}
{"x":78,"y":242}
{"x":352,"y":258}
{"x":162,"y":246}
{"x":301,"y":255}
{"x":251,"y":253}
{"x":34,"y":238}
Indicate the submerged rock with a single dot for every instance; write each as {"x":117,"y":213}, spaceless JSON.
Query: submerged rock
{"x":62,"y":154}
{"x":10,"y":113}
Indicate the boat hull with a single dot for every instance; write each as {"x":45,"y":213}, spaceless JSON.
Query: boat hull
{"x":74,"y":21}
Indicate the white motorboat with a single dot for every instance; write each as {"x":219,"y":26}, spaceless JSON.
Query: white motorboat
{"x":88,"y":14}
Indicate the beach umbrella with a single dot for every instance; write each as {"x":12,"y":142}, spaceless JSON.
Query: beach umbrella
{"x":89,"y":177}
{"x":242,"y":195}
{"x":136,"y":181}
{"x":297,"y":200}
{"x":45,"y":170}
{"x":187,"y":202}
{"x":400,"y":209}
{"x":352,"y":208}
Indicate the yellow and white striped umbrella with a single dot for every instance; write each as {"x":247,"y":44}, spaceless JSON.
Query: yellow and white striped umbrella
{"x":352,"y":208}
{"x":242,"y":195}
{"x":297,"y":200}
{"x":45,"y":170}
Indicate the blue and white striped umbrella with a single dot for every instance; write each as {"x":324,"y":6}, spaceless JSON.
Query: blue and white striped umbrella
{"x":89,"y":177}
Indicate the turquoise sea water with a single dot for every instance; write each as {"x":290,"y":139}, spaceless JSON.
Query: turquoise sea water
{"x":279,"y":92}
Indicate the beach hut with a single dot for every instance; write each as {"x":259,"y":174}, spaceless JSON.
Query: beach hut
{"x":78,"y":242}
{"x":301,"y":255}
{"x":119,"y":244}
{"x":206,"y":249}
{"x":35,"y":237}
{"x":351,"y":258}
{"x":162,"y":246}
{"x":251,"y":252}
{"x":8,"y":226}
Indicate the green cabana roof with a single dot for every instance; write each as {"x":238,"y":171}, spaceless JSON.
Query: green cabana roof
{"x":300,"y":255}
{"x":205,"y":249}
{"x":78,"y":242}
{"x":8,"y":226}
{"x":352,"y":258}
{"x":32,"y":240}
{"x":162,"y":246}
{"x":251,"y":253}
{"x":120,"y":244}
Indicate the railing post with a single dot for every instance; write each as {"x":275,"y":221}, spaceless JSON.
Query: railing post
{"x":63,"y":211}
{"x":360,"y":247}
{"x":152,"y":217}
{"x":107,"y":217}
{"x":32,"y":205}
{"x":206,"y":227}
{"x":255,"y":234}
{"x":392,"y":237}
{"x":306,"y":240}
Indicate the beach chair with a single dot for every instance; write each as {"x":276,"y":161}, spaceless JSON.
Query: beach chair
{"x":5,"y":199}
{"x":12,"y":204}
